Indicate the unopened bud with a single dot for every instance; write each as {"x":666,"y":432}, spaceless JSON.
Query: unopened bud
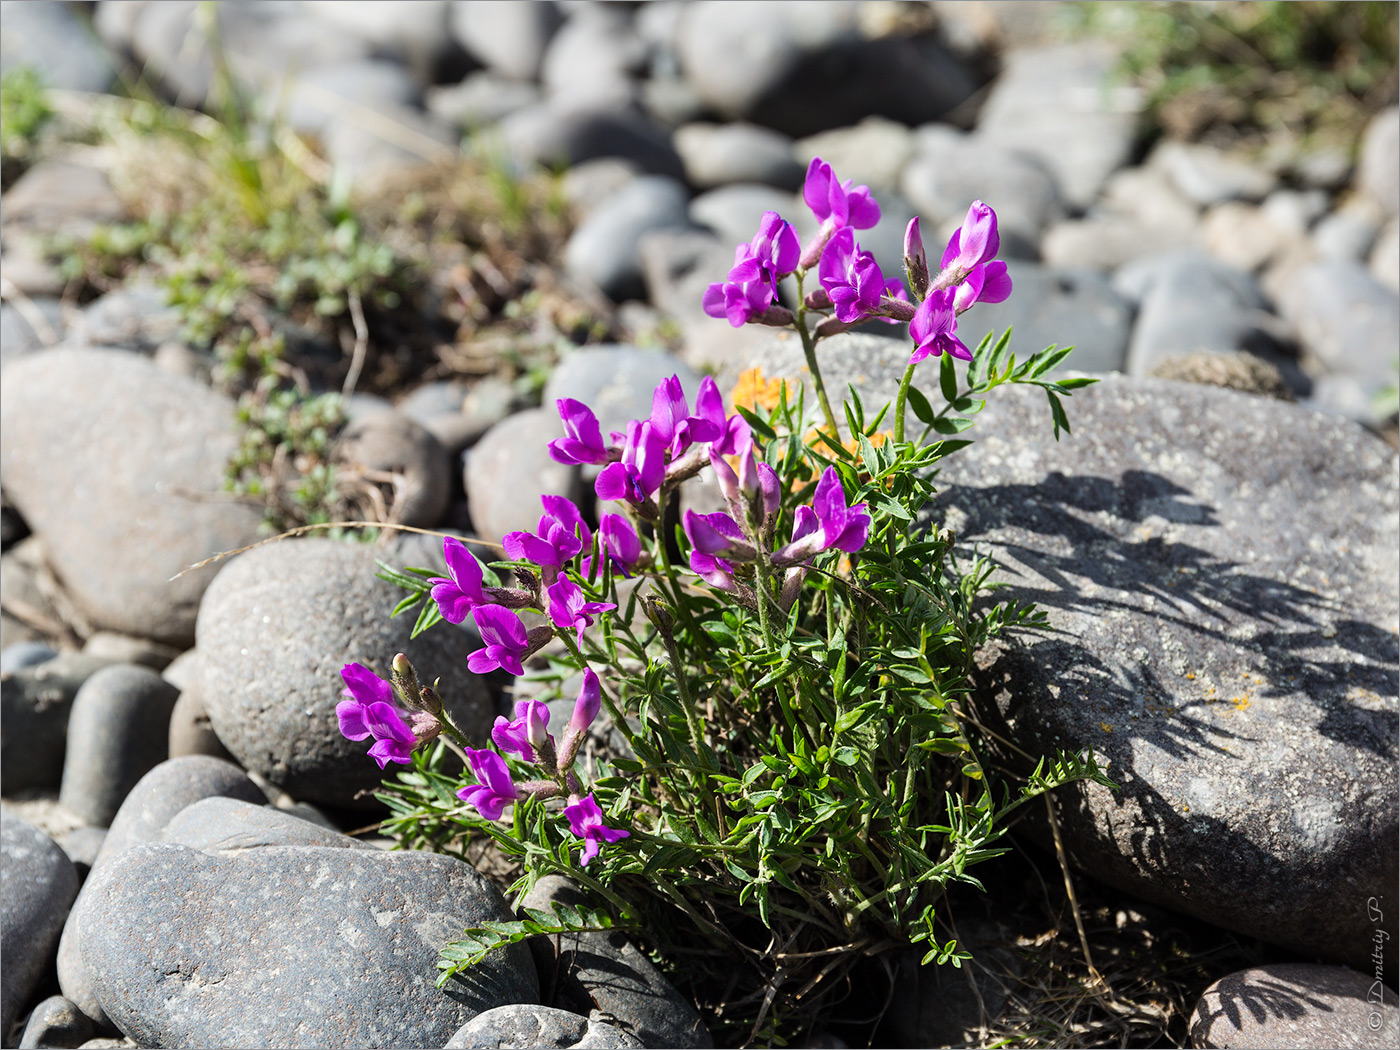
{"x":431,"y":701}
{"x":659,"y":613}
{"x":915,"y":259}
{"x":406,"y":679}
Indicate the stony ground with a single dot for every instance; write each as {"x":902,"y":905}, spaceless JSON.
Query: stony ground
{"x":1217,"y":542}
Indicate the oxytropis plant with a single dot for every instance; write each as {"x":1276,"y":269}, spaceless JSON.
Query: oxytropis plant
{"x":794,"y":772}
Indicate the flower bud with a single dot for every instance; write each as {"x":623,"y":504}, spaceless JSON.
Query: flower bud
{"x":915,"y":259}
{"x":406,"y":679}
{"x":430,"y":700}
{"x":658,"y":612}
{"x":590,"y":699}
{"x":724,"y":474}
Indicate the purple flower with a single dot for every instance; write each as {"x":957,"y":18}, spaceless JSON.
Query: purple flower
{"x":505,"y":638}
{"x":738,"y":301}
{"x":568,"y":609}
{"x":562,"y":534}
{"x":642,"y":469}
{"x":985,"y":283}
{"x":836,"y":202}
{"x":715,"y":571}
{"x":935,"y":326}
{"x":527,"y":734}
{"x":974,"y":242}
{"x":618,"y":544}
{"x":583,"y":440}
{"x":772,"y":254}
{"x":716,"y":533}
{"x":370,"y":711}
{"x":456,"y":596}
{"x":590,"y":699}
{"x":671,"y":418}
{"x":586,"y":821}
{"x":495,"y":789}
{"x":851,"y":277}
{"x":828,"y":524}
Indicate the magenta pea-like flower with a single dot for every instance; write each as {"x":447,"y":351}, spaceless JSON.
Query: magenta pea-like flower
{"x":739,"y":302}
{"x":934,"y":328}
{"x":770,"y":256}
{"x":975,"y":242}
{"x":457,"y":596}
{"x":717,"y":533}
{"x":586,"y":821}
{"x":717,"y":572}
{"x":494,"y":790}
{"x":642,"y":469}
{"x":671,"y":418}
{"x":985,"y":283}
{"x":505,"y":638}
{"x":836,"y":205}
{"x":851,"y":277}
{"x":828,"y":524}
{"x":370,"y":711}
{"x":562,"y":534}
{"x":527,"y":734}
{"x":619,"y":546}
{"x":568,"y":610}
{"x":583,"y":438}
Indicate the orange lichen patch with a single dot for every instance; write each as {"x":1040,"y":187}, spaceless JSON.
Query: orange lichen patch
{"x":1105,"y":727}
{"x":754,"y":392}
{"x":1240,"y":702}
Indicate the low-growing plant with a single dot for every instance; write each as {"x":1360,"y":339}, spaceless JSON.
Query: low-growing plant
{"x":24,"y":110}
{"x":796,"y":773}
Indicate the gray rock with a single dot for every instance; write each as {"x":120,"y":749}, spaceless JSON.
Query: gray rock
{"x":389,"y":443}
{"x":414,"y":33}
{"x":602,"y":975}
{"x":39,"y":887}
{"x":56,"y":1022}
{"x":34,"y":707}
{"x":1220,"y":571}
{"x":603,"y":249}
{"x":671,"y":101}
{"x":678,"y":266}
{"x":51,"y":40}
{"x":228,"y":827}
{"x":275,"y":629}
{"x":804,"y":67}
{"x":1385,"y":256}
{"x":1234,"y":371}
{"x":1107,"y":241}
{"x":320,"y":97}
{"x":117,"y":733}
{"x":133,"y":317}
{"x":191,"y":732}
{"x":381,"y":149}
{"x":617,"y":382}
{"x":1077,"y":308}
{"x":27,"y":332}
{"x":1378,"y":175}
{"x":511,"y":1026}
{"x":179,"y":942}
{"x":1294,"y":211}
{"x":143,"y":448}
{"x":558,"y":135}
{"x":182,"y":671}
{"x":486,"y":403}
{"x":1060,"y":103}
{"x":482,"y":98}
{"x":25,"y":654}
{"x":507,"y":37}
{"x":1208,"y":175}
{"x":951,"y":170}
{"x":733,"y":213}
{"x":1192,"y":304}
{"x":1296,"y":1004}
{"x":82,"y":846}
{"x":872,"y":153}
{"x":157,"y":797}
{"x":587,"y":184}
{"x":509,"y":469}
{"x":1346,"y":320}
{"x":437,"y":408}
{"x":60,"y":197}
{"x":592,"y":59}
{"x":1246,"y":236}
{"x":1149,"y":196}
{"x":127,"y":649}
{"x":720,"y":154}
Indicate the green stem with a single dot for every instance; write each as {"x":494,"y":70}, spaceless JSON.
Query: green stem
{"x":809,"y":350}
{"x":899,"y":400}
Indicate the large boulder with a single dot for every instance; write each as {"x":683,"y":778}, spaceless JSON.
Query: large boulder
{"x":104,"y":452}
{"x":1220,"y":574}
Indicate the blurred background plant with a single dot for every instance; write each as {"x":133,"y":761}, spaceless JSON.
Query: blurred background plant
{"x":1240,"y":72}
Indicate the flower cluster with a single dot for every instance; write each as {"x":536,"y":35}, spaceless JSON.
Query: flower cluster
{"x":853,"y":288}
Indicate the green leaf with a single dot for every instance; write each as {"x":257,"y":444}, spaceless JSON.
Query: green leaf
{"x":919,"y":405}
{"x":948,"y":379}
{"x":951,"y":425}
{"x":758,"y":425}
{"x":1057,"y":414}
